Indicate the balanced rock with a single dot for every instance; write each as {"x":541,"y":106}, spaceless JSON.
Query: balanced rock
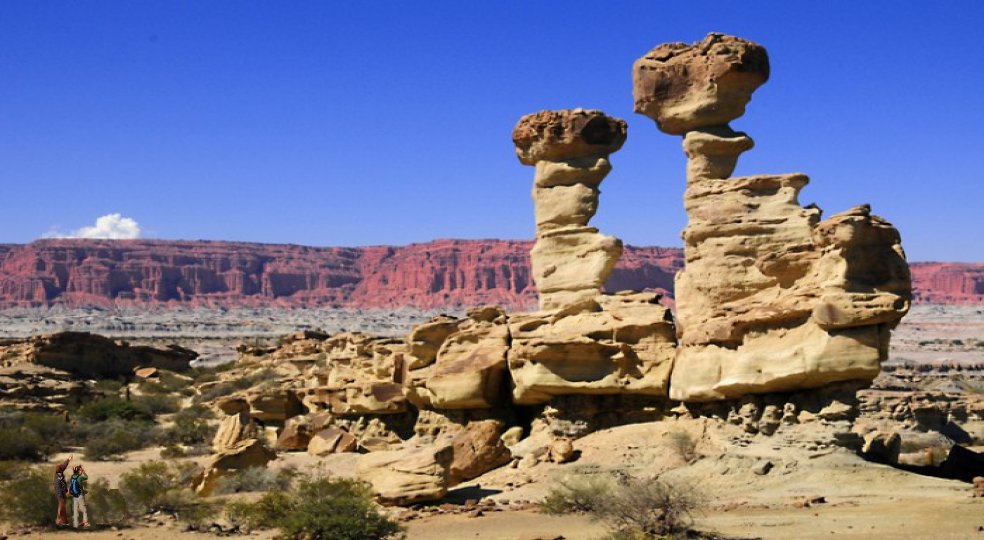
{"x":407,"y":476}
{"x":570,"y":149}
{"x":685,"y":87}
{"x":771,"y":299}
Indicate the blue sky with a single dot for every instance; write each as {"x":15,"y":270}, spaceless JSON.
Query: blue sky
{"x":331,"y":123}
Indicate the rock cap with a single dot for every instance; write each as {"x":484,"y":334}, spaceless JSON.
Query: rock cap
{"x":685,"y":87}
{"x":567,"y":134}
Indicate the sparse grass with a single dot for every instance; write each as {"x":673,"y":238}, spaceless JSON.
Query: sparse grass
{"x":683,"y":444}
{"x":633,"y":508}
{"x":241,"y":383}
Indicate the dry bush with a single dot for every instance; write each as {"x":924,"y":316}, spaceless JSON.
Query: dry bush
{"x":633,"y":508}
{"x":577,"y":495}
{"x":684,"y":444}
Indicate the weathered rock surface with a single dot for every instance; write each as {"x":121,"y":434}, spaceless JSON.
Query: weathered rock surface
{"x":243,"y":455}
{"x":331,"y":441}
{"x":442,"y":273}
{"x":477,"y":449}
{"x":407,"y":476}
{"x":611,"y":344}
{"x":771,"y":299}
{"x":91,"y":355}
{"x":570,"y":150}
{"x":685,"y":87}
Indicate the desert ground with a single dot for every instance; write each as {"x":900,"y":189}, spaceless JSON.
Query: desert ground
{"x":817,"y":491}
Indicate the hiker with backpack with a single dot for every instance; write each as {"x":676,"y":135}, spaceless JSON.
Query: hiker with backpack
{"x":77,"y":489}
{"x":61,"y":492}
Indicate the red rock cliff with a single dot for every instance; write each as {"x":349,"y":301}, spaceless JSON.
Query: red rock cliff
{"x":442,"y":273}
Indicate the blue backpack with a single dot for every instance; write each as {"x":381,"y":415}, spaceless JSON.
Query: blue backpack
{"x":75,"y":487}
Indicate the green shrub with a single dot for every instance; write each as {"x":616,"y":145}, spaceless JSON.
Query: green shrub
{"x":108,"y":439}
{"x":157,"y":404}
{"x":190,"y":427}
{"x":339,"y":509}
{"x":31,"y":436}
{"x":256,"y":479}
{"x":580,"y":494}
{"x":265,"y":513}
{"x":28,"y":499}
{"x":633,"y":508}
{"x":114,"y":407}
{"x":106,"y":506}
{"x":21,"y":444}
{"x":166,"y":487}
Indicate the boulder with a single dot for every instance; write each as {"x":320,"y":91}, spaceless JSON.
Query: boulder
{"x":331,"y":440}
{"x":234,"y":429}
{"x":295,"y":436}
{"x":408,"y":476}
{"x":242,"y":455}
{"x":686,"y":87}
{"x":477,"y":449}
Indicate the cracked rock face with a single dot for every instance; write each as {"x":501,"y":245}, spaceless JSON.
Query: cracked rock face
{"x":570,"y":149}
{"x":771,"y":299}
{"x":685,"y":87}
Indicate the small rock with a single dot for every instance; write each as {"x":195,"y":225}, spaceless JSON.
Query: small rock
{"x":762,"y":467}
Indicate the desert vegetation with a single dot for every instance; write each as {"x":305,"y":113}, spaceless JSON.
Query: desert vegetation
{"x":632,"y":508}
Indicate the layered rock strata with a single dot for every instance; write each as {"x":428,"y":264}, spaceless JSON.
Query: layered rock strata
{"x":570,"y":150}
{"x":771,"y":299}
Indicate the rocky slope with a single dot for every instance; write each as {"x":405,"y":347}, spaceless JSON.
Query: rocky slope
{"x":442,"y":273}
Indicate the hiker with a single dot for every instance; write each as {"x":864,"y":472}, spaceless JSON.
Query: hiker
{"x":61,"y":492}
{"x":77,"y":489}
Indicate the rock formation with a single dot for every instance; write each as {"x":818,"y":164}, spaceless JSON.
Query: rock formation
{"x":439,"y":274}
{"x":771,"y":298}
{"x":570,"y":150}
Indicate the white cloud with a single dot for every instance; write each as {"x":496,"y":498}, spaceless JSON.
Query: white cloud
{"x":110,"y":226}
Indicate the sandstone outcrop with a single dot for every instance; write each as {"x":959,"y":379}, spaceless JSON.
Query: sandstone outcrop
{"x":438,"y":274}
{"x":91,"y":355}
{"x":570,"y":150}
{"x":771,"y":298}
{"x":243,"y":455}
{"x":408,"y":476}
{"x":611,"y":344}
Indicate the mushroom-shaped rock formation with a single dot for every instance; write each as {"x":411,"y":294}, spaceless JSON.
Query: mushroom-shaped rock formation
{"x":686,"y":87}
{"x":570,"y":150}
{"x":772,"y":299}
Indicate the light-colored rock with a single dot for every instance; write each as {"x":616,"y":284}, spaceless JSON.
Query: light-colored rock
{"x":623,"y":344}
{"x":772,"y":299}
{"x":477,"y":449}
{"x":234,"y":429}
{"x":331,"y":440}
{"x":243,"y":455}
{"x":562,"y":451}
{"x":512,"y":436}
{"x":408,"y":476}
{"x":570,"y":148}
